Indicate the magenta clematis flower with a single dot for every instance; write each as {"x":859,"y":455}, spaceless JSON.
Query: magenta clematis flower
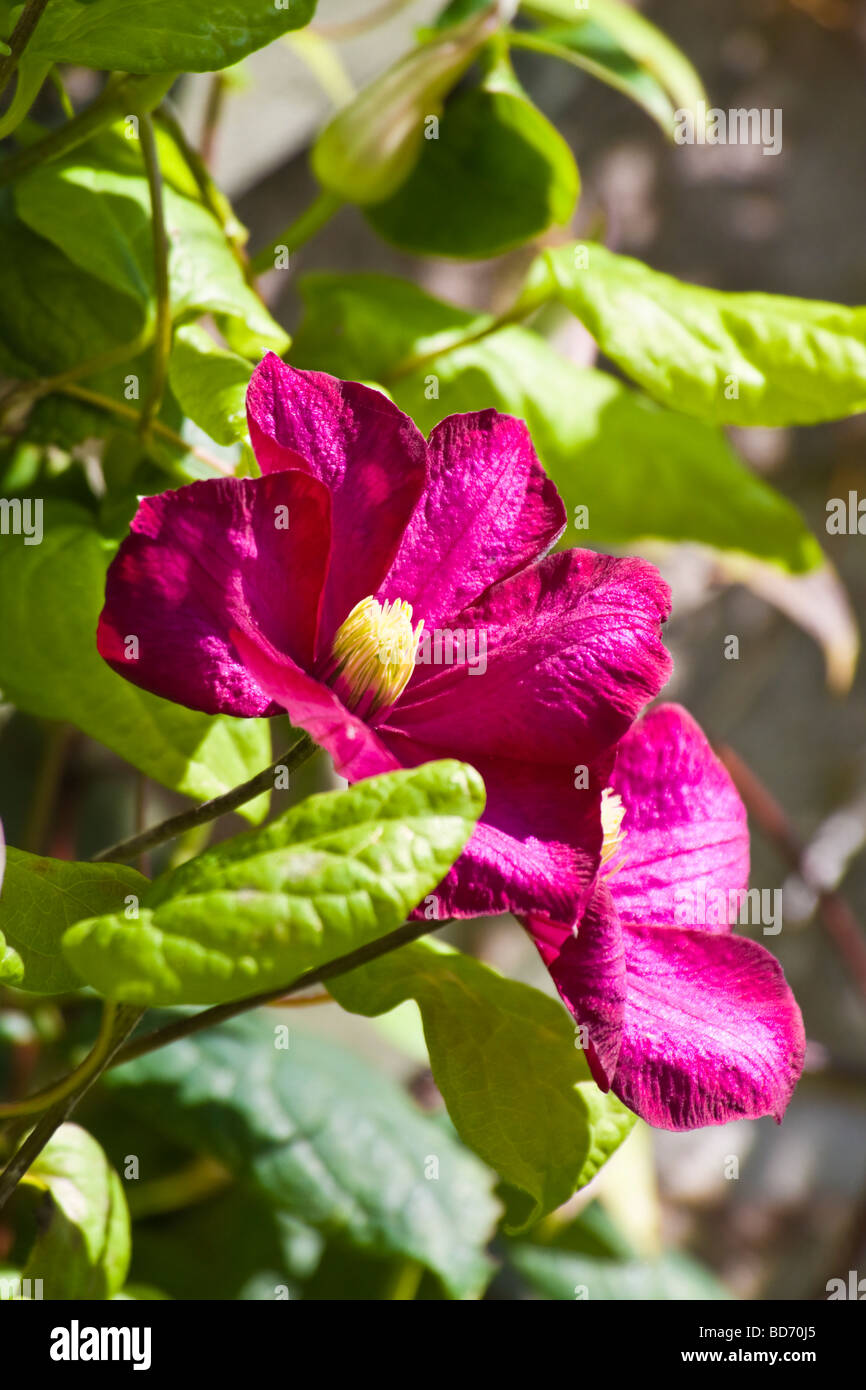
{"x":689,"y":1024}
{"x":396,"y":596}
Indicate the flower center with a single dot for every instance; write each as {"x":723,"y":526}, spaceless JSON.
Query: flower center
{"x":374,"y":655}
{"x":612,"y":814}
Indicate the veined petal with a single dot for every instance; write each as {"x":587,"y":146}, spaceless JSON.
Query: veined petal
{"x":488,"y":510}
{"x":685,"y":849}
{"x":711,"y":1031}
{"x":369,"y":455}
{"x":536,"y":846}
{"x":572,"y":650}
{"x":203,"y":560}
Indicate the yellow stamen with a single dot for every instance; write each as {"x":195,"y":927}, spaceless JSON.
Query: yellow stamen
{"x":374,"y":654}
{"x":612,"y":814}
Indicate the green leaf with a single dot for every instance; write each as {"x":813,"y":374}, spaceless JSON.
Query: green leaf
{"x":210,"y":384}
{"x":366,"y":152}
{"x":95,"y":206}
{"x":731,"y":358}
{"x":163,"y":35}
{"x":50,"y":667}
{"x":459,"y":200}
{"x":338,"y":871}
{"x":39,"y":899}
{"x":324,"y":1137}
{"x":617,"y":44}
{"x":556,"y":1274}
{"x":82,"y":1248}
{"x":505,"y":1059}
{"x":641,"y":471}
{"x":235,"y":1247}
{"x":53,"y":316}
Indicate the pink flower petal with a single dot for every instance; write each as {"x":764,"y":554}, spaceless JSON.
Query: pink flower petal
{"x":588,"y":969}
{"x":573,"y":653}
{"x":488,"y":509}
{"x":711,"y":1031}
{"x":368,"y":453}
{"x":355,"y":748}
{"x":536,"y":846}
{"x":206,"y":559}
{"x":686,"y":834}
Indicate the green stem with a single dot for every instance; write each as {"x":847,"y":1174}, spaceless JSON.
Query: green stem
{"x":92,"y":1063}
{"x":300,"y":751}
{"x":21,"y":36}
{"x":60,"y":87}
{"x":213,"y":111}
{"x":56,"y":742}
{"x":126,"y":412}
{"x":352,"y":27}
{"x":518,"y":313}
{"x":27,"y":392}
{"x":162,"y":336}
{"x":221,"y":1013}
{"x":118,"y":98}
{"x":299,"y":232}
{"x":118,"y":1022}
{"x":211,"y":195}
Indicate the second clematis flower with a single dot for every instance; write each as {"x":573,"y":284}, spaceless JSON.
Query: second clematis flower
{"x":396,"y":596}
{"x":688,"y":1023}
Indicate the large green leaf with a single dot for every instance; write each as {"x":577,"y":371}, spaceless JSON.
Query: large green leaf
{"x":641,"y":471}
{"x":54,"y":316}
{"x":210,"y":384}
{"x":82,"y":1246}
{"x":163,"y":35}
{"x":460,"y":200}
{"x":50,"y":667}
{"x":743,"y":359}
{"x":337,"y":871}
{"x":505,"y":1059}
{"x":95,"y":206}
{"x":323,"y":1137}
{"x":564,"y":1274}
{"x":236,"y":1246}
{"x":39,"y":899}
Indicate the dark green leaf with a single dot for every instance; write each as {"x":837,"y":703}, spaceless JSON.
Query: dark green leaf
{"x":497,"y":175}
{"x":95,"y":206}
{"x":163,"y":35}
{"x":325,"y":1138}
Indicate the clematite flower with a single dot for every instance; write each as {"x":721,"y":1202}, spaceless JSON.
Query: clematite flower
{"x":356,"y":585}
{"x":688,"y":1023}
